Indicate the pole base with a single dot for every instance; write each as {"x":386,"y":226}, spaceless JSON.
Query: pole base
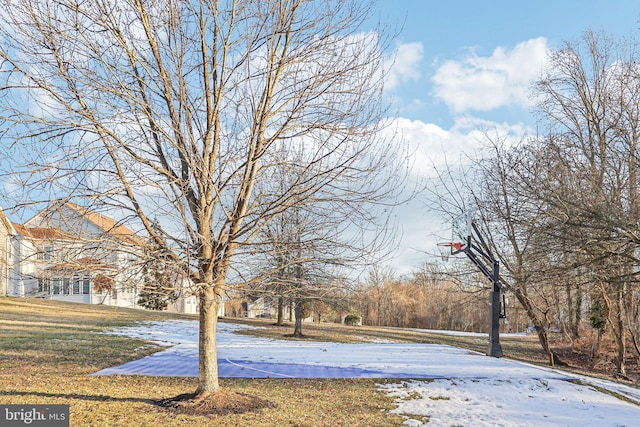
{"x":495,"y":350}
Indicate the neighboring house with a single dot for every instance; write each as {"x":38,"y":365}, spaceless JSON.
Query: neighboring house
{"x":67,"y":252}
{"x":264,"y":307}
{"x":260,"y":307}
{"x":6,"y":233}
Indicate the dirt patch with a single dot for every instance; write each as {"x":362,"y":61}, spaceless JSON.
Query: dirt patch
{"x":577,"y":357}
{"x":219,"y":403}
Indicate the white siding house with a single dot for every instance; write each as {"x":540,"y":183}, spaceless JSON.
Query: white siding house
{"x":6,"y":233}
{"x":67,"y":252}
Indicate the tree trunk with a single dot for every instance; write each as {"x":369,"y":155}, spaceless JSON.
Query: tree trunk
{"x":631,"y":315}
{"x":297,"y":331}
{"x":208,"y":352}
{"x":577,"y":314}
{"x":562,"y":321}
{"x":280,"y":320}
{"x":290,"y":310}
{"x":595,"y":348}
{"x":634,"y":341}
{"x":543,"y":335}
{"x":568,"y":328}
{"x":620,"y":333}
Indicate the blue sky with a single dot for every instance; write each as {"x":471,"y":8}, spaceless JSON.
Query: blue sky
{"x":434,"y":33}
{"x":465,"y":66}
{"x":462,"y":66}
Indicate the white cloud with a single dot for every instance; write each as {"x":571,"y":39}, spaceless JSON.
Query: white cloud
{"x":404,"y":65}
{"x":432,"y":147}
{"x":485,"y":83}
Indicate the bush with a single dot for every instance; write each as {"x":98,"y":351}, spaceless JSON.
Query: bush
{"x":352,"y":320}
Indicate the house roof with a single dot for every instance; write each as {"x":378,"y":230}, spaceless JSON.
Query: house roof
{"x":43,"y":233}
{"x":80,"y":265}
{"x":7,"y":224}
{"x":107,"y":225}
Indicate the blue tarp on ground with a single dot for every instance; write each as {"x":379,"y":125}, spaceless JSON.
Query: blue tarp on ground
{"x":242,"y":356}
{"x":181,"y":365}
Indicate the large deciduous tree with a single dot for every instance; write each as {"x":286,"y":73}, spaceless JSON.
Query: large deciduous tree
{"x":508,"y":219}
{"x":177,"y":113}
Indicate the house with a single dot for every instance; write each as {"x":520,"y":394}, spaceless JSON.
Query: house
{"x":267,"y":308}
{"x":260,"y":307}
{"x":6,"y":233}
{"x":71,"y":253}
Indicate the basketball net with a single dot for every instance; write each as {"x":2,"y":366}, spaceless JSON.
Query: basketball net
{"x":447,"y":247}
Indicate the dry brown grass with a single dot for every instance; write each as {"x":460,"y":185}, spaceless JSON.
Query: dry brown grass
{"x":47,"y":350}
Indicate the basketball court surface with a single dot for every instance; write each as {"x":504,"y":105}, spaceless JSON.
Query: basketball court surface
{"x":242,"y":356}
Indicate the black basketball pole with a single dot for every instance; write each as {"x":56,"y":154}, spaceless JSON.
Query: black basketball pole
{"x":493,"y":274}
{"x":495,"y":349}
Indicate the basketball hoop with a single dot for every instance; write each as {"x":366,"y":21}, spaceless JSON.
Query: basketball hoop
{"x":448,"y":248}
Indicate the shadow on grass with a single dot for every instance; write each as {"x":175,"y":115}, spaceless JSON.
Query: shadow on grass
{"x":76,"y":396}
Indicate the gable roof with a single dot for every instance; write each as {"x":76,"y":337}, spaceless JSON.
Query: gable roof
{"x":108,"y":225}
{"x":7,"y":224}
{"x":43,"y":233}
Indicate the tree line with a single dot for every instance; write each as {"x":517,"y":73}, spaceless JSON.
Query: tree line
{"x":433,"y":296}
{"x":561,"y":208}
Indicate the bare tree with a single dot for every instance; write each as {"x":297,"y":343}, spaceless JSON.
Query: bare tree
{"x":304,"y":250}
{"x":561,"y":208}
{"x":177,"y":113}
{"x":309,"y":251}
{"x":589,"y":102}
{"x":508,"y":219}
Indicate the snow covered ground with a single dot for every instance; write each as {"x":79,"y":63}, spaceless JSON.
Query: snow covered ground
{"x":448,"y":385}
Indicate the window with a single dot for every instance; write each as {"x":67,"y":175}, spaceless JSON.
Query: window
{"x":44,"y":286}
{"x":48,"y":253}
{"x":56,"y":286}
{"x":76,"y":285}
{"x":45,"y":254}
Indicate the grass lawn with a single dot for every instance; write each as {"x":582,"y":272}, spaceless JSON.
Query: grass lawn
{"x":48,"y":348}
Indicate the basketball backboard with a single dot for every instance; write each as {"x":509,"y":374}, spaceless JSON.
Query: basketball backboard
{"x":461,"y":232}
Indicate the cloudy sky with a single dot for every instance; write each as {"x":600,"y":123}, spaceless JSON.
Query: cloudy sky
{"x":466,"y":66}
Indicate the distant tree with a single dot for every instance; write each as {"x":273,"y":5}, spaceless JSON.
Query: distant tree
{"x":352,"y":319}
{"x":598,"y":319}
{"x":308,"y":251}
{"x":153,"y":296}
{"x":159,"y":287}
{"x":103,"y":284}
